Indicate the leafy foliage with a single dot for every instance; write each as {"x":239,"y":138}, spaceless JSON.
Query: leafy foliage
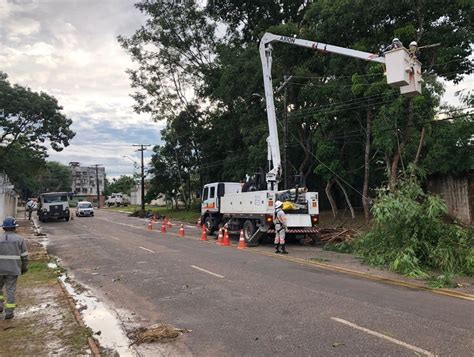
{"x":344,"y":121}
{"x":411,"y":237}
{"x":55,"y":177}
{"x":31,"y":119}
{"x":123,"y":184}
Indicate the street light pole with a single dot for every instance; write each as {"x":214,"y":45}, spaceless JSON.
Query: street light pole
{"x":142,"y":148}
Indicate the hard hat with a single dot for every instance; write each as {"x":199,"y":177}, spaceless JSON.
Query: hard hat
{"x":395,"y":40}
{"x":278,"y":204}
{"x":413,"y":43}
{"x":9,"y":222}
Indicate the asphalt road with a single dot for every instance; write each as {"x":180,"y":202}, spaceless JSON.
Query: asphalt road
{"x":241,"y":303}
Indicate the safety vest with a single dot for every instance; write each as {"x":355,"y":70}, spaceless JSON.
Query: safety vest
{"x":12,"y":251}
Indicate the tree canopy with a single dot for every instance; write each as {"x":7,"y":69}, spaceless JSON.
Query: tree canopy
{"x":30,"y":122}
{"x":199,"y":65}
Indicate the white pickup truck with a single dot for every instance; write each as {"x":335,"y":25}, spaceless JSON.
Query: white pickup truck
{"x":118,"y":199}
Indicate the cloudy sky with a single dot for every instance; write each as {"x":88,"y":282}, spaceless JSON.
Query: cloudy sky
{"x":68,"y":48}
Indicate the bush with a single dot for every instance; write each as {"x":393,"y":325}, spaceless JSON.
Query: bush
{"x":410,"y":236}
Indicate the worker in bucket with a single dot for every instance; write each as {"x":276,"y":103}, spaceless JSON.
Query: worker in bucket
{"x":13,"y":262}
{"x":280,"y":228}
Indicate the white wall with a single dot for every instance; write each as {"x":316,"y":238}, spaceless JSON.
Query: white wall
{"x":8,"y":198}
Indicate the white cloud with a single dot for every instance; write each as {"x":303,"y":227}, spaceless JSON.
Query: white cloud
{"x":69,"y":49}
{"x":20,"y":27}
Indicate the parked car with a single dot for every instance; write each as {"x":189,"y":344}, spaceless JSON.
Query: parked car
{"x":84,"y":209}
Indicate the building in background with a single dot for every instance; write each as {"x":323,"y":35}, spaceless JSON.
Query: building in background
{"x":84,"y":181}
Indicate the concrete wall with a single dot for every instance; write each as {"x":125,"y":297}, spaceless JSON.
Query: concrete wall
{"x":8,"y":198}
{"x":457,"y":192}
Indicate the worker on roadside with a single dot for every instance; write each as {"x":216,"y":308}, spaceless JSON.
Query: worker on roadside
{"x":280,"y":228}
{"x":30,"y":205}
{"x":13,"y":262}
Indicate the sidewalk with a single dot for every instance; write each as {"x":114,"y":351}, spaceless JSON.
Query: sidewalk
{"x":44,"y":322}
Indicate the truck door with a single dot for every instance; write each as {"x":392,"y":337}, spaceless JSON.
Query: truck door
{"x":209,"y":198}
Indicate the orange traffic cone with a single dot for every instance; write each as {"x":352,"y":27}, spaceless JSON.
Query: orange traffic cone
{"x":226,"y":241}
{"x":204,"y":234}
{"x":163,"y":227}
{"x":149,"y":226}
{"x":220,"y":237}
{"x":168,"y":223}
{"x":242,"y":243}
{"x":181,"y":231}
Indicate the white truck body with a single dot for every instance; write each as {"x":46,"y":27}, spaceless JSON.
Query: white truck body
{"x":118,"y":199}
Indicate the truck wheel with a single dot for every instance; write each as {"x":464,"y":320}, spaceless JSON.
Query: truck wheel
{"x":209,"y":224}
{"x":249,"y":229}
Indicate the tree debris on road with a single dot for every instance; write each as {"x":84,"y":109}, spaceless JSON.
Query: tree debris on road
{"x":160,"y":333}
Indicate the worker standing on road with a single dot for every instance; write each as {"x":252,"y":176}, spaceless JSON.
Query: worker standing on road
{"x":13,"y":262}
{"x":280,"y":228}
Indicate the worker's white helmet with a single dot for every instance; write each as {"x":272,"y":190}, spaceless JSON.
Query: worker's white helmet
{"x":278,"y":204}
{"x":395,"y":40}
{"x":413,"y":44}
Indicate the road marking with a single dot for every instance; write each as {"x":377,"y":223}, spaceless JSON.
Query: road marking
{"x":148,"y":250}
{"x":385,"y":337}
{"x":114,"y":238}
{"x":207,"y":271}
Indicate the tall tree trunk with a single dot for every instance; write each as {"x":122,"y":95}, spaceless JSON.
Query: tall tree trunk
{"x":365,"y":190}
{"x":420,"y":145}
{"x":332,"y":202}
{"x":398,"y":154}
{"x":347,"y":198}
{"x":392,"y":183}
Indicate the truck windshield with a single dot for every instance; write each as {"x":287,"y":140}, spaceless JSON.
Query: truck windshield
{"x":84,"y":205}
{"x":54,"y":199}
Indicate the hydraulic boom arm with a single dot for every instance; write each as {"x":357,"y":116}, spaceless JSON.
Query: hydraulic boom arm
{"x":273,"y":176}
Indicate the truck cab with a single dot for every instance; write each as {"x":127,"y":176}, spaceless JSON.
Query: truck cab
{"x":54,"y":205}
{"x":211,"y":202}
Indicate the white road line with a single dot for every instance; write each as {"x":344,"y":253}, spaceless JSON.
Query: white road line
{"x":114,"y":238}
{"x":207,"y":271}
{"x":148,"y":250}
{"x":385,"y":337}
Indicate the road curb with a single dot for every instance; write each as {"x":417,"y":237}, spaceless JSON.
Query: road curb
{"x":91,"y":342}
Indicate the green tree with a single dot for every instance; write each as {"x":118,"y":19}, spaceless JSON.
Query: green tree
{"x":123,"y":184}
{"x":30,"y":120}
{"x":346,"y":125}
{"x":54,"y":177}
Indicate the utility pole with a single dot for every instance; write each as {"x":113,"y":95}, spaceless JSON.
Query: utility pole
{"x":284,"y":85}
{"x":142,"y":148}
{"x":97,"y":183}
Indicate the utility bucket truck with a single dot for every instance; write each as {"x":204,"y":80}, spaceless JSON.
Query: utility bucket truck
{"x":251,"y":206}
